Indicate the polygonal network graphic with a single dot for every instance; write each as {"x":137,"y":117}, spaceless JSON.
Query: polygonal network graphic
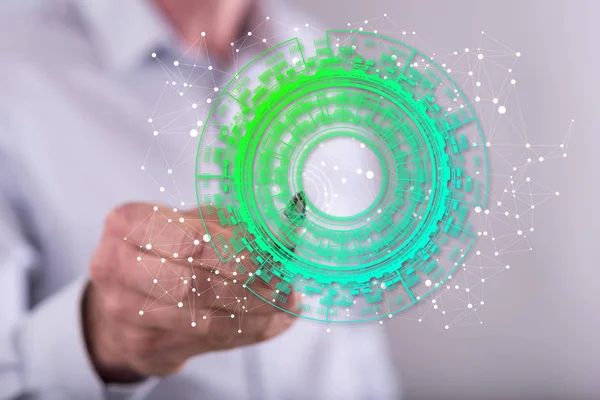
{"x":348,"y":171}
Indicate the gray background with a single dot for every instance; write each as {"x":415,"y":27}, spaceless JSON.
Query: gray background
{"x":541,"y":325}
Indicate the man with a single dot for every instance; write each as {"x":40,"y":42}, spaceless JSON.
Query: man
{"x":78,"y":85}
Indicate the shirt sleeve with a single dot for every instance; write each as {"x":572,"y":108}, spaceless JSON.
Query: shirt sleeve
{"x":43,"y":354}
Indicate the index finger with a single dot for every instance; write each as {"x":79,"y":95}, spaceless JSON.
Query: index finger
{"x":163,"y":230}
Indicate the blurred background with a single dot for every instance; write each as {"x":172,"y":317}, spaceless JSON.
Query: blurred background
{"x":541,"y":322}
{"x":541,"y":319}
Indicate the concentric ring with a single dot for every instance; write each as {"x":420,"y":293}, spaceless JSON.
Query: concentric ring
{"x":397,"y":104}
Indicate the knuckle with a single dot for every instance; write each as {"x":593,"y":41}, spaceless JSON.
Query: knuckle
{"x":117,"y":310}
{"x":118,"y":220}
{"x":100,"y":272}
{"x":113,"y":221}
{"x":104,"y":263}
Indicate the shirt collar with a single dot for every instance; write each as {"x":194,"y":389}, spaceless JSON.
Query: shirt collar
{"x":127,"y":32}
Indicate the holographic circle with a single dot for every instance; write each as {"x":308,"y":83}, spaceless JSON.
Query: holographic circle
{"x":395,"y":103}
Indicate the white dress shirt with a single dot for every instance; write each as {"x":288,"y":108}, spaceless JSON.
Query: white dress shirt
{"x":77,"y":86}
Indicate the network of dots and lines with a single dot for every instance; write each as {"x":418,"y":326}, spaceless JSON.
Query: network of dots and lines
{"x":485,"y":70}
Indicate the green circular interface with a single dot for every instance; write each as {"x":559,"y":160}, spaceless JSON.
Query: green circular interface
{"x":427,"y":169}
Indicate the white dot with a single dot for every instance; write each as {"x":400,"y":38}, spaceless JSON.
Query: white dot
{"x":193,"y":132}
{"x":148,"y":246}
{"x":180,"y":304}
{"x":427,"y":283}
{"x":477,"y":209}
{"x":370,"y":174}
{"x":176,"y":63}
{"x":193,"y":324}
{"x":203,"y":34}
{"x":249,"y":33}
{"x":480,"y":56}
{"x":206,"y":237}
{"x":502,"y":109}
{"x":141,"y":312}
{"x":359,"y":171}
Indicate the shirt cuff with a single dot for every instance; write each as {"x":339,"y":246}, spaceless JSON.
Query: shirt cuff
{"x":56,"y":363}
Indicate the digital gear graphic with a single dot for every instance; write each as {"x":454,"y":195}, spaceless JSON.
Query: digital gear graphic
{"x":396,"y":104}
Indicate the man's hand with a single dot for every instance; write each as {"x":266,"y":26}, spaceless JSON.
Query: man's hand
{"x":126,"y":346}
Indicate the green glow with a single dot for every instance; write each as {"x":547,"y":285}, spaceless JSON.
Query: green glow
{"x":407,"y":111}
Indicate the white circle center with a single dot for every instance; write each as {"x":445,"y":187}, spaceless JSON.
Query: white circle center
{"x":341,"y":176}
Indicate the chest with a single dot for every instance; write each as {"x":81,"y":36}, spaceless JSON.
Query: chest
{"x":88,"y":141}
